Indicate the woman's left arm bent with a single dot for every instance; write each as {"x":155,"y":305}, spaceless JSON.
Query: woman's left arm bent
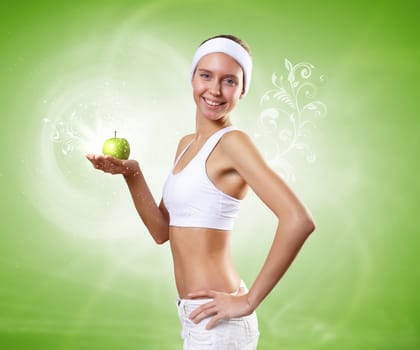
{"x":294,"y":226}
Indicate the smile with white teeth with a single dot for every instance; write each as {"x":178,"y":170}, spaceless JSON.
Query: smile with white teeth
{"x":212,"y":103}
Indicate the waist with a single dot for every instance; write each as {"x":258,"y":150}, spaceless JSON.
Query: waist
{"x":223,"y":223}
{"x":194,"y":280}
{"x":202,"y":260}
{"x":191,"y":304}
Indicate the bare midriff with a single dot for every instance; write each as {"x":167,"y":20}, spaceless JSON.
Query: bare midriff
{"x":202,"y":260}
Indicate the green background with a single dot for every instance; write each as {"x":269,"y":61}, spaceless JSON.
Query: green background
{"x":77,"y":268}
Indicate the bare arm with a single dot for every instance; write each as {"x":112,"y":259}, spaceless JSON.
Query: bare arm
{"x":295,"y":222}
{"x":155,"y":217}
{"x":295,"y":225}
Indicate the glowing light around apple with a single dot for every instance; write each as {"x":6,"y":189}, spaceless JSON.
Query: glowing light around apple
{"x":116,"y":147}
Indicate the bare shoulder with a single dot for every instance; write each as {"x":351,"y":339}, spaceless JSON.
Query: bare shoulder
{"x":243,"y":155}
{"x":235,"y":138}
{"x":238,"y":145}
{"x":183,"y":142}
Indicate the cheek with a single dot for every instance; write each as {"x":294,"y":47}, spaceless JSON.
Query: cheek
{"x":236,"y":94}
{"x":198,"y":87}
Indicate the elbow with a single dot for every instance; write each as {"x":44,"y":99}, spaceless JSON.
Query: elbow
{"x":309,"y":225}
{"x":303,"y":223}
{"x":159,"y":233}
{"x":160,"y":240}
{"x":161,"y":237}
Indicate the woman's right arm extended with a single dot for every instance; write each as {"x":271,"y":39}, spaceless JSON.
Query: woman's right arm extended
{"x":155,"y":218}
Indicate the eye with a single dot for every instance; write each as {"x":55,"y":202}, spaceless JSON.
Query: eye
{"x":230,"y":81}
{"x":205,"y":75}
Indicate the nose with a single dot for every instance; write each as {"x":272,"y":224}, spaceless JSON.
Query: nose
{"x":215,"y":88}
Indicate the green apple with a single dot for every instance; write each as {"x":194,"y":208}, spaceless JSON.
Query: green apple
{"x":116,"y":147}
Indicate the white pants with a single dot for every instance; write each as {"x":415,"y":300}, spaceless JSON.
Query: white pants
{"x":233,"y":334}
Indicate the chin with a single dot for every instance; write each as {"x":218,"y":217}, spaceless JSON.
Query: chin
{"x":213,"y":116}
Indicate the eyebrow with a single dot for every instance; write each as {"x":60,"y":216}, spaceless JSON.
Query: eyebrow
{"x":226,"y":75}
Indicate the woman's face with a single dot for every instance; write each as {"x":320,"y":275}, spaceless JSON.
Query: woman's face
{"x":217,"y":85}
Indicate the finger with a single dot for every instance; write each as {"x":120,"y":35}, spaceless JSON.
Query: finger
{"x":202,"y":294}
{"x":95,"y":163}
{"x":201,"y":309}
{"x":99,"y":164}
{"x":113,"y":160}
{"x":115,"y":171}
{"x":91,"y":158}
{"x":214,"y":321}
{"x":106,"y":164}
{"x":204,"y":314}
{"x":94,"y":159}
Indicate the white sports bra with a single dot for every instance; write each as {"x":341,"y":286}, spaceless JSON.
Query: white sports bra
{"x":190,"y":197}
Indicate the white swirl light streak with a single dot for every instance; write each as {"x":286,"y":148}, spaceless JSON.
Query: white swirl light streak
{"x":82,"y":108}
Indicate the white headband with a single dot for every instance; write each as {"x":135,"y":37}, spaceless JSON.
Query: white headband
{"x":229,"y":47}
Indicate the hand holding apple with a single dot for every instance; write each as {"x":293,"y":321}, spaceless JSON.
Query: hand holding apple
{"x":115,"y":158}
{"x":111,"y":165}
{"x":116,"y":147}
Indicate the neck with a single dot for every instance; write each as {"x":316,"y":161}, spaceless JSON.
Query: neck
{"x":205,"y":127}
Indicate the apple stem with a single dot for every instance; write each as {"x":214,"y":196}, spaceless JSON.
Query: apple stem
{"x":115,"y":133}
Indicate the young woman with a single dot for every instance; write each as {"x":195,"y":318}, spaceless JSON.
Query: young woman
{"x":212,"y":171}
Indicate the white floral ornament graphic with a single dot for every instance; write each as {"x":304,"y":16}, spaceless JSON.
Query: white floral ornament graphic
{"x":289,"y":114}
